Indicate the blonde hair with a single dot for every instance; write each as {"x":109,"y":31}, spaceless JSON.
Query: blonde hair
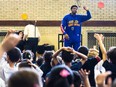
{"x":93,"y":52}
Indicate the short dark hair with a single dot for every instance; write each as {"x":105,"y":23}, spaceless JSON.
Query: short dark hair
{"x":23,"y":79}
{"x":19,"y":32}
{"x":67,"y":56}
{"x":40,"y":61}
{"x":55,"y":79}
{"x":112,"y":55}
{"x":84,"y":50}
{"x":73,"y":6}
{"x":27,"y":54}
{"x":14,"y":54}
{"x":24,"y":64}
{"x":48,"y":56}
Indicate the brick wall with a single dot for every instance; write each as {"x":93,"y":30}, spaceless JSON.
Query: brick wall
{"x":55,"y":10}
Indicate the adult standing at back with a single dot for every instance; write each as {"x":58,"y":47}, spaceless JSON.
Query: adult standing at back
{"x":32,"y":34}
{"x":71,"y":27}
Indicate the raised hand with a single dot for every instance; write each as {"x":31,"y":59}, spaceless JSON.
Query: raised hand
{"x":97,"y":36}
{"x":9,"y":32}
{"x":68,"y":49}
{"x":101,"y":78}
{"x":10,"y":41}
{"x":84,"y":74}
{"x":85,"y":8}
{"x":102,"y":37}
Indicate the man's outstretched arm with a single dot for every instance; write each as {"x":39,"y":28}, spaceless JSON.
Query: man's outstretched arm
{"x":86,"y":17}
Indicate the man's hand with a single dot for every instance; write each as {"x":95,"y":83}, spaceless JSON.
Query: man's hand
{"x":102,"y":37}
{"x":10,"y":41}
{"x":66,"y":36}
{"x":85,"y":8}
{"x":69,"y":49}
{"x":98,"y":37}
{"x":101,"y":78}
{"x":10,"y":31}
{"x":84,"y":74}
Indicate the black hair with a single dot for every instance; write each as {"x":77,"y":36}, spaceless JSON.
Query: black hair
{"x":23,"y":79}
{"x":112,"y":55}
{"x":19,"y":32}
{"x":67,"y":56}
{"x":56,"y":80}
{"x":84,"y":50}
{"x":24,"y":64}
{"x":73,"y":6}
{"x":14,"y":54}
{"x":27,"y":55}
{"x":40,"y":61}
{"x":48,"y":56}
